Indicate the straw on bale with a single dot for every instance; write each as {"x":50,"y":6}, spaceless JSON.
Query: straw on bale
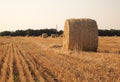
{"x":53,"y":35}
{"x":80,"y":34}
{"x":44,"y":35}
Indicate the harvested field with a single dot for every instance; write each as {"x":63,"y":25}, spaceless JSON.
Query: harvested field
{"x":35,"y":59}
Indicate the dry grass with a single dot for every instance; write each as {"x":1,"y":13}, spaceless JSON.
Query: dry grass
{"x":109,"y":44}
{"x":32,"y":59}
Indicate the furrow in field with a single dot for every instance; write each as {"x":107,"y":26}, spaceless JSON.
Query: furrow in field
{"x":44,"y":72}
{"x":54,"y":68}
{"x":2,"y":47}
{"x":34,"y":71}
{"x":19,"y":66}
{"x":10,"y":70}
{"x":56,"y":71}
{"x":3,"y":55}
{"x":56,"y":58}
{"x":4,"y":67}
{"x":27,"y":72}
{"x":15,"y":70}
{"x":67,"y":62}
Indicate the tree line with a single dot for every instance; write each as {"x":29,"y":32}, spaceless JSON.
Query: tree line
{"x":31,"y":32}
{"x":111,"y":32}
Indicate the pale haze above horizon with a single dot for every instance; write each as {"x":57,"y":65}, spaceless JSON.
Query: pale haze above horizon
{"x":40,"y":14}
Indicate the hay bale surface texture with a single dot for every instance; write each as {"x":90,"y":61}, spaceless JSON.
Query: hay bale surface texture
{"x":44,"y":35}
{"x":80,"y":34}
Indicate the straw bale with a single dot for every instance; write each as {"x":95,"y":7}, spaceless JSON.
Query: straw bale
{"x":44,"y":35}
{"x":53,"y":35}
{"x":80,"y":34}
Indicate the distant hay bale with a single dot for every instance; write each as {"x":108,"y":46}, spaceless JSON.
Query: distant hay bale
{"x":53,"y":35}
{"x":57,"y":35}
{"x":27,"y":36}
{"x":44,"y":35}
{"x":40,"y":35}
{"x":61,"y":35}
{"x":80,"y":34}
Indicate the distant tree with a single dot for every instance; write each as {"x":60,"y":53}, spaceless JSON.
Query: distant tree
{"x":19,"y":33}
{"x":30,"y":32}
{"x":5,"y":33}
{"x":60,"y":32}
{"x":111,"y":32}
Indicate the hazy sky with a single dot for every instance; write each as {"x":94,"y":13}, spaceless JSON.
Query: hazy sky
{"x":37,"y":14}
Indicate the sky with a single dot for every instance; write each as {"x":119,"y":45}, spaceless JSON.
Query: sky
{"x":40,"y":14}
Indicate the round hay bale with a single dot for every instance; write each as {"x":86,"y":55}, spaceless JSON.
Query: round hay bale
{"x":61,"y":35}
{"x":44,"y":35}
{"x":53,"y":35}
{"x":80,"y":34}
{"x":57,"y":35}
{"x":40,"y":35}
